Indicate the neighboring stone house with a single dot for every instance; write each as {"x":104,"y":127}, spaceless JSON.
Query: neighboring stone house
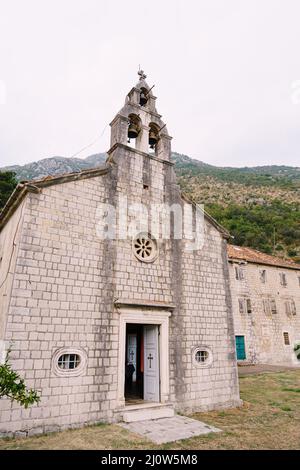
{"x":266,"y":305}
{"x":111,"y":328}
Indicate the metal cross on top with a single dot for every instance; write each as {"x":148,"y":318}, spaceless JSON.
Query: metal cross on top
{"x":150,"y":359}
{"x":142,"y":74}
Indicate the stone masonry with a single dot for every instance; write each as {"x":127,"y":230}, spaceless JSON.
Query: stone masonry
{"x":61,"y":285}
{"x":274,"y":306}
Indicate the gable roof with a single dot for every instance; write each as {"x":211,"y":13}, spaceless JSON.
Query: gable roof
{"x":34,"y":186}
{"x":242,"y":253}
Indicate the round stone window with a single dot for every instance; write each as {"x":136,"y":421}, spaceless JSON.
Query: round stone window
{"x":145,"y":247}
{"x":69,"y":362}
{"x":202,"y":356}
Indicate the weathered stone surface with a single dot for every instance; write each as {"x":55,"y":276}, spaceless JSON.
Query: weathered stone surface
{"x":262,"y":329}
{"x":65,"y":281}
{"x":166,"y":430}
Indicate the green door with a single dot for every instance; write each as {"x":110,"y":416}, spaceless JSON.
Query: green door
{"x":240,"y":348}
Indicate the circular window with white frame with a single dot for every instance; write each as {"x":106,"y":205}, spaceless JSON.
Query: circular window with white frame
{"x":69,"y":362}
{"x":145,"y":247}
{"x":202,"y":357}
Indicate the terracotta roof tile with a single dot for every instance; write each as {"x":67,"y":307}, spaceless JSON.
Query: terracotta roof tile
{"x":254,"y":256}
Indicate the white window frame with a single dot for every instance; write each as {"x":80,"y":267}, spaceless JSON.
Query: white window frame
{"x":239,"y":273}
{"x":283,"y":279}
{"x":288,"y":336}
{"x":263,"y":276}
{"x":267,"y":307}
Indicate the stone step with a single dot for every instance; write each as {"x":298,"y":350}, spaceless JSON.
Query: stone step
{"x":147,"y":412}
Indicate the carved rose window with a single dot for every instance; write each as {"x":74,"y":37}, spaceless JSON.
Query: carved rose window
{"x":145,"y":247}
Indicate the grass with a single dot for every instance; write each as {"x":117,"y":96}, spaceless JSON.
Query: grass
{"x":269,"y":419}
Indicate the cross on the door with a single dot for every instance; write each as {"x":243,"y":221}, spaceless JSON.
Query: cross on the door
{"x":131,"y":354}
{"x":150,"y":359}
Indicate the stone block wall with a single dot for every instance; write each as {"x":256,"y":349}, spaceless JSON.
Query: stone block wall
{"x":62,"y":298}
{"x":67,"y":281}
{"x":263,"y":331}
{"x":196,"y":282}
{"x":204,"y":320}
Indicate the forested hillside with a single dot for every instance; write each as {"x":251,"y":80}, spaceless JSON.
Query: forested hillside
{"x":260,"y":206}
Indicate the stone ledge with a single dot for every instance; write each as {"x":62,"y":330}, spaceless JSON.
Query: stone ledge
{"x":125,"y":303}
{"x":133,"y":150}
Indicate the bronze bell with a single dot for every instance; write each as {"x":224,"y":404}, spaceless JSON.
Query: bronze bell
{"x":143,"y":99}
{"x":153,"y":139}
{"x":133,"y":131}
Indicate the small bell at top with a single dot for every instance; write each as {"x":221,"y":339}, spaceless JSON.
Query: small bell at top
{"x":143,"y":98}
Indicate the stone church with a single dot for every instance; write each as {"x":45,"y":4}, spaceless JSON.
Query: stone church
{"x":111,"y":328}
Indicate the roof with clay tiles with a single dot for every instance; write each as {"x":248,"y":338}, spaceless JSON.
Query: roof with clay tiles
{"x":242,"y":253}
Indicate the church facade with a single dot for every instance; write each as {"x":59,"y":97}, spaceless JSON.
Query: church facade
{"x":109,"y":325}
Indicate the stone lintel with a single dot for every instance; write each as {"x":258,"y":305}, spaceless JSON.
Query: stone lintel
{"x":132,"y":303}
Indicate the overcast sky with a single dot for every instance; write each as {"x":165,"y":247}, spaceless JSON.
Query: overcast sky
{"x":226,"y":74}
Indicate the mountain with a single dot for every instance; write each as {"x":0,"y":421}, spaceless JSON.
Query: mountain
{"x":55,"y":166}
{"x":260,"y":206}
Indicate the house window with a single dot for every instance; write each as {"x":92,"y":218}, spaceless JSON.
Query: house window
{"x":283,"y":280}
{"x":241,"y":306}
{"x":68,"y":361}
{"x":239,"y":273}
{"x":290,"y":308}
{"x":263,"y":275}
{"x":202,"y":356}
{"x":273,"y":306}
{"x":286,"y":338}
{"x":245,"y":306}
{"x":267,"y":306}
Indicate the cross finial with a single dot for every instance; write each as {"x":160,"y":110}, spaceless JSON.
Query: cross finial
{"x":142,"y":74}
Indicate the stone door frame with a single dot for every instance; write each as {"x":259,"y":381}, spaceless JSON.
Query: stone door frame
{"x":145,"y":317}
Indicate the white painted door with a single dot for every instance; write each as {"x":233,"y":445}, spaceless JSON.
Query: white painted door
{"x":131,"y":352}
{"x":151,"y":363}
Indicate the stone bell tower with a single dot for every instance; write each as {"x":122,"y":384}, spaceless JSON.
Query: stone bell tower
{"x":182,"y":291}
{"x":140,"y":122}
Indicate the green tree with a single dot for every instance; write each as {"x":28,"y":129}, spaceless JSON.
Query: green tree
{"x":8,"y":183}
{"x":12,"y":386}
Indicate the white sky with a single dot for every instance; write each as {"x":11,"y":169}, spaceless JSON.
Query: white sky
{"x":224,"y":72}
